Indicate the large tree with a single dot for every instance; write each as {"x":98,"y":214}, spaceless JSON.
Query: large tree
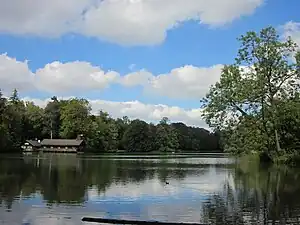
{"x":15,"y":117}
{"x":52,"y":113}
{"x":74,"y":116}
{"x":35,"y":122}
{"x":244,"y":103}
{"x":138,"y":137}
{"x":166,"y":138}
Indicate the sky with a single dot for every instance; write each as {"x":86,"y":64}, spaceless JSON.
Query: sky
{"x":143,"y":59}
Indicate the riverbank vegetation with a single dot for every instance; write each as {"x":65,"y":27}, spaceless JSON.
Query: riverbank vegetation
{"x":256,"y":103}
{"x":21,"y":120}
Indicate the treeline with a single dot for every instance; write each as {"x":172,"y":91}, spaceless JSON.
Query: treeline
{"x":20,"y":121}
{"x":256,"y":103}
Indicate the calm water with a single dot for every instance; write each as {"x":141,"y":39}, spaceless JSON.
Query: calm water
{"x":61,"y":189}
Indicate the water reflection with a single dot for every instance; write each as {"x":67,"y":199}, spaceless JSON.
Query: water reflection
{"x":60,"y":189}
{"x":258,"y":195}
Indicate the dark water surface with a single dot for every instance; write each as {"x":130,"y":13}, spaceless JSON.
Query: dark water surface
{"x":61,"y":189}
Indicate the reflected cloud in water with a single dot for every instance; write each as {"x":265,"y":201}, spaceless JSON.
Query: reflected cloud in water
{"x":61,"y":189}
{"x":125,"y":189}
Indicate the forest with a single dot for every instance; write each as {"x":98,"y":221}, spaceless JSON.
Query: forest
{"x":21,"y":121}
{"x":256,"y":103}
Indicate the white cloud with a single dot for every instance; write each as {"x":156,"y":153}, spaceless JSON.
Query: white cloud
{"x":149,"y":112}
{"x":187,"y":82}
{"x":141,"y":78}
{"x":55,"y":77}
{"x":15,"y":74}
{"x":292,"y":29}
{"x":139,"y":110}
{"x":129,"y":22}
{"x":42,"y":18}
{"x":81,"y":76}
{"x":72,"y":78}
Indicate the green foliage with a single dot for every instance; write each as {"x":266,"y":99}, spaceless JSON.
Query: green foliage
{"x":35,"y":123}
{"x":166,"y":138}
{"x":255,"y":103}
{"x":74,"y":118}
{"x":52,"y":113}
{"x":14,"y":113}
{"x":20,"y":121}
{"x":138,"y":137}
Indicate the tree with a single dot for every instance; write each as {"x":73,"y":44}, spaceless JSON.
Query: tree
{"x":112,"y":136}
{"x":96,"y":140}
{"x":247,"y":95}
{"x":137,"y":137}
{"x":75,"y":118}
{"x":4,"y":132}
{"x":35,"y":122}
{"x":15,"y":120}
{"x":68,"y":118}
{"x":166,"y":136}
{"x":52,"y":113}
{"x":288,"y":117}
{"x":122,"y":125}
{"x":196,"y":139}
{"x":165,"y":120}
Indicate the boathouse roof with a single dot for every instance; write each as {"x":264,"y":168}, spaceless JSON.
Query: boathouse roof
{"x":61,"y":142}
{"x":34,"y":143}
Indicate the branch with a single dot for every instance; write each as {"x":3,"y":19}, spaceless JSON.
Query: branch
{"x":281,"y":83}
{"x":239,"y":109}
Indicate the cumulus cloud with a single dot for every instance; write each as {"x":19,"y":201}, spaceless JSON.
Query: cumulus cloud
{"x":187,"y":82}
{"x":292,"y":29}
{"x":81,"y":76}
{"x":137,"y":78}
{"x":129,"y":22}
{"x":15,"y":74}
{"x":76,"y":77}
{"x":55,"y":77}
{"x":139,"y":110}
{"x":42,"y":18}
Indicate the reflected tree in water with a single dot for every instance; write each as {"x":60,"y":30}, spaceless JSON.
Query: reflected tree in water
{"x":256,"y":195}
{"x":251,"y":194}
{"x":66,"y":178}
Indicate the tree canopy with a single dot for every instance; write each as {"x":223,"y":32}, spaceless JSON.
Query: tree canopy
{"x":256,"y":102}
{"x":21,"y":120}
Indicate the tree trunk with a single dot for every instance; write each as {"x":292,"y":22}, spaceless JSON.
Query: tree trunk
{"x":277,"y":141}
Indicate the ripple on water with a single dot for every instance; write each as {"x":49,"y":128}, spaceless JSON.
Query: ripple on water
{"x":62,"y":189}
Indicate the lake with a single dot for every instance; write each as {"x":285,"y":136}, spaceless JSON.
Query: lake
{"x":52,"y":189}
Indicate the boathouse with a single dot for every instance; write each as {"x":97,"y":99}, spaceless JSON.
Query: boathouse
{"x":31,"y":145}
{"x":62,"y":145}
{"x":55,"y":145}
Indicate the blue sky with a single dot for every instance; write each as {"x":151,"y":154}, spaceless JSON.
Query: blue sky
{"x":53,"y":49}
